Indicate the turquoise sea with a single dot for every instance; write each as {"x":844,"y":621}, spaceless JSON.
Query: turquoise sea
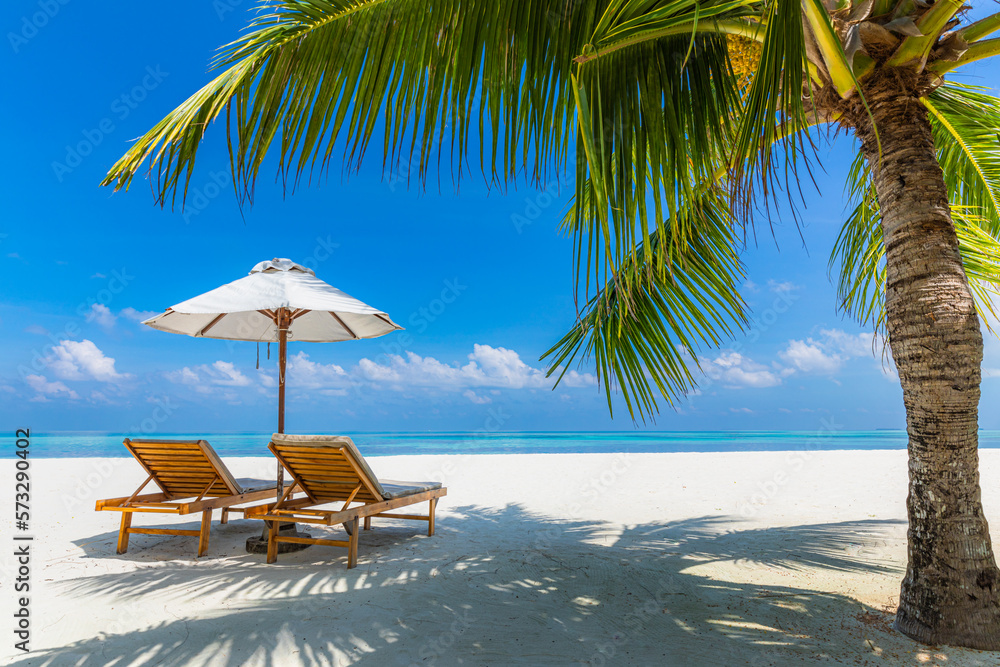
{"x":65,"y":444}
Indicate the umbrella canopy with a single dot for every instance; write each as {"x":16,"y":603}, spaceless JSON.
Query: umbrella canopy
{"x":277,"y":301}
{"x":247,"y":309}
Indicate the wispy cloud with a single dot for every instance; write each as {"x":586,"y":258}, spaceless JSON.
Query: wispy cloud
{"x":782,"y":287}
{"x":476,"y":398}
{"x":205,"y":378}
{"x":734,"y":370}
{"x":44,"y":388}
{"x":102,"y":316}
{"x":137,"y":315}
{"x":487,"y":367}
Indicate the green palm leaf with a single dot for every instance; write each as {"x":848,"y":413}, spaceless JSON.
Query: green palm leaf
{"x":966,"y":126}
{"x":312,"y":72}
{"x":644,"y":342}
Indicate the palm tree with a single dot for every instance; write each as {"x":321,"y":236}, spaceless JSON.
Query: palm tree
{"x":687,"y":117}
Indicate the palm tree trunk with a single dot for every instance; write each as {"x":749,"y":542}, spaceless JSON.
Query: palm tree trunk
{"x":951,"y":593}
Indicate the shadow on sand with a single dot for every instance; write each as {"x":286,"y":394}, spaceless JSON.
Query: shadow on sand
{"x":557,"y":592}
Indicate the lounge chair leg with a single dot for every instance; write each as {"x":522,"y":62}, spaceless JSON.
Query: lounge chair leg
{"x":368,"y":523}
{"x":206,"y":523}
{"x":123,"y":533}
{"x":272,"y":542}
{"x":352,"y":549}
{"x":225,"y":515}
{"x":430,"y":517}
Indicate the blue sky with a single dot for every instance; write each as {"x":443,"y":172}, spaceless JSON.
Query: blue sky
{"x":481,"y":295}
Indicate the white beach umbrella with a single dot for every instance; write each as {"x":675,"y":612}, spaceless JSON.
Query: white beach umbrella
{"x":278,"y":301}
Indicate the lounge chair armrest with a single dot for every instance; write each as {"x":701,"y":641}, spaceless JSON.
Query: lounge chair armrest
{"x":255,"y":510}
{"x":117,"y":502}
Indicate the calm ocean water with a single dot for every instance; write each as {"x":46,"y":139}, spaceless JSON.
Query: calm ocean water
{"x":65,"y":444}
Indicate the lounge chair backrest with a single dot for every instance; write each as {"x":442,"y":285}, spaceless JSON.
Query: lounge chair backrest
{"x":184,"y":468}
{"x":329,"y":468}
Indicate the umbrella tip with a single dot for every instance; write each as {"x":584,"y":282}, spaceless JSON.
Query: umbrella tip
{"x":280,"y":264}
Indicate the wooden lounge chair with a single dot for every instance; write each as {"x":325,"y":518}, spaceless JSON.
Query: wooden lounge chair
{"x":328,"y":470}
{"x":192,"y":478}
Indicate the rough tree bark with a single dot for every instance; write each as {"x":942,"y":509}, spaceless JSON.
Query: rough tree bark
{"x":951,"y":592}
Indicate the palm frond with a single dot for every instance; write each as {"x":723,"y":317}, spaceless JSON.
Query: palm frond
{"x":966,"y":125}
{"x":965,"y":121}
{"x":773,"y":115}
{"x":860,"y":254}
{"x":653,"y":121}
{"x":427,"y":75}
{"x":644,"y":342}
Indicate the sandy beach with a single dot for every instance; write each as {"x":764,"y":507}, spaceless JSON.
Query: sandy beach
{"x":762,"y":558}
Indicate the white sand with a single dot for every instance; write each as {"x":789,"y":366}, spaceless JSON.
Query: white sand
{"x":643,"y":559}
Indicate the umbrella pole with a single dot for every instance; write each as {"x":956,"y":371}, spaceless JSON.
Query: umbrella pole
{"x":258,"y":545}
{"x":283,"y":321}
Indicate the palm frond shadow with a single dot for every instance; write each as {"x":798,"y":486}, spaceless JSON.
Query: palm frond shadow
{"x":566,"y":590}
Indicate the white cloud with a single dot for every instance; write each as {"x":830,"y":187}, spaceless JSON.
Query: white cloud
{"x":306,"y":374}
{"x":856,"y":345}
{"x":45,"y":388}
{"x":781,"y":287}
{"x":102,"y":316}
{"x":808,"y":357}
{"x":488,"y":367}
{"x":734,"y":370}
{"x":225,"y":374}
{"x":82,"y":360}
{"x":498,"y":365}
{"x":476,"y":398}
{"x":204,"y":378}
{"x":184,"y":376}
{"x":36,"y":329}
{"x":99,"y":397}
{"x":827,"y":355}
